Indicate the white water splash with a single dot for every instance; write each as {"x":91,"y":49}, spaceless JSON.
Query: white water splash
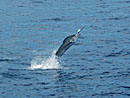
{"x":49,"y":63}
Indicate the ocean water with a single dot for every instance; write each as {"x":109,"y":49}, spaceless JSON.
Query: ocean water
{"x":97,"y":66}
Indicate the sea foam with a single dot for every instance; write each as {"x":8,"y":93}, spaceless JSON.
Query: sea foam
{"x":48,"y":63}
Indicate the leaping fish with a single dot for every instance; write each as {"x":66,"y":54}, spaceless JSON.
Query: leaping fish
{"x":68,"y":42}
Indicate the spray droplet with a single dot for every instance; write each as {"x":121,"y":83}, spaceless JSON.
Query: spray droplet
{"x":49,"y":63}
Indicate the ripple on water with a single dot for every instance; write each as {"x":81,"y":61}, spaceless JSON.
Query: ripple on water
{"x":96,"y":67}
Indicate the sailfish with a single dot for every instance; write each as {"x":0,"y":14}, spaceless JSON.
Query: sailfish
{"x":68,"y":42}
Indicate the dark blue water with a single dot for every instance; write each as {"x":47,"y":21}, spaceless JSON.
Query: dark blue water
{"x":97,"y":66}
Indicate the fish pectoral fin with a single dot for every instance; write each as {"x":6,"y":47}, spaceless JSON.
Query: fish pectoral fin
{"x":71,"y":41}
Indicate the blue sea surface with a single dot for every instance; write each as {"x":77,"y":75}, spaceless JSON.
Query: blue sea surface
{"x":97,"y":66}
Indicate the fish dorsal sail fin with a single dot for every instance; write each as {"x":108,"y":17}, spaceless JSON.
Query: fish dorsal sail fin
{"x":67,"y":38}
{"x":71,"y":36}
